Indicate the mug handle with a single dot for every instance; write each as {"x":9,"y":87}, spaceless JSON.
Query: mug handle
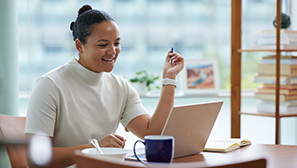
{"x":135,"y":151}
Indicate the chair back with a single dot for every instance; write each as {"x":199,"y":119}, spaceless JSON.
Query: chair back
{"x":12,"y":128}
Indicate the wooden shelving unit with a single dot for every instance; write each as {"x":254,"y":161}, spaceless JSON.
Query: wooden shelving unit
{"x":236,"y":51}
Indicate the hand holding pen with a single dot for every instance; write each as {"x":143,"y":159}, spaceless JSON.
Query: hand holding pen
{"x":173,"y":65}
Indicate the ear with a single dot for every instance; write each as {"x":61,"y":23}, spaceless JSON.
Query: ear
{"x":79,"y":46}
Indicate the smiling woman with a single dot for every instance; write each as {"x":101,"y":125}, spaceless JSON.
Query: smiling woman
{"x":100,"y":52}
{"x":82,"y":99}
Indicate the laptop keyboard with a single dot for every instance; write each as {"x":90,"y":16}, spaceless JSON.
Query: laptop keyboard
{"x":140,"y":156}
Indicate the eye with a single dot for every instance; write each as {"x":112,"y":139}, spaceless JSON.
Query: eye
{"x":102,"y":45}
{"x":117,"y":43}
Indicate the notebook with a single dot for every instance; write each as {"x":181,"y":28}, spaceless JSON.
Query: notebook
{"x":190,"y":125}
{"x":225,"y":145}
{"x":220,"y":147}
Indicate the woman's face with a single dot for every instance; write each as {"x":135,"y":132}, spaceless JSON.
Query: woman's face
{"x":100,"y":52}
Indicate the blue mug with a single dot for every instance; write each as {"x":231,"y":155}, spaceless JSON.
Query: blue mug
{"x":158,"y":148}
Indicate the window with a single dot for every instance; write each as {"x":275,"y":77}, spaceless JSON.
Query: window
{"x":149,"y":28}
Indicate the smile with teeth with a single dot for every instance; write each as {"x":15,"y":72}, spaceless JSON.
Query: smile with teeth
{"x":108,"y":59}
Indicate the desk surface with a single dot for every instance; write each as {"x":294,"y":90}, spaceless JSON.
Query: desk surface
{"x":277,"y":156}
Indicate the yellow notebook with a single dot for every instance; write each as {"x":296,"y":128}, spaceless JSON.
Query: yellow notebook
{"x":225,"y":145}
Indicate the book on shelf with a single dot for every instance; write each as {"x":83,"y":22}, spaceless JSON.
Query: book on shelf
{"x":285,"y":69}
{"x":268,"y":37}
{"x":272,"y":86}
{"x":272,"y":47}
{"x":225,"y":145}
{"x":283,"y":60}
{"x":267,"y":40}
{"x":271,"y":90}
{"x":283,"y":33}
{"x":271,"y":79}
{"x":272,"y":41}
{"x":269,"y":96}
{"x":286,"y":107}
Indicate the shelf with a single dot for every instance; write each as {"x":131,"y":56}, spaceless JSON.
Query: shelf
{"x":250,"y":50}
{"x":236,"y":62}
{"x":266,"y":114}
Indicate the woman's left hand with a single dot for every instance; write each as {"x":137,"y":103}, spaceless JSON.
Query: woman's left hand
{"x":173,"y":65}
{"x":112,"y":140}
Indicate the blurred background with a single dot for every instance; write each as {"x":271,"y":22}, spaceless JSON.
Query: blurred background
{"x":197,"y":29}
{"x":149,"y":28}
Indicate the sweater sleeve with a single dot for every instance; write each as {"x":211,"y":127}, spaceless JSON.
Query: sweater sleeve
{"x":134,"y":107}
{"x":42,"y":107}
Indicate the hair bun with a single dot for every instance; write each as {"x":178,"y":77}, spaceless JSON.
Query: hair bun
{"x":71,"y":26}
{"x":83,"y":9}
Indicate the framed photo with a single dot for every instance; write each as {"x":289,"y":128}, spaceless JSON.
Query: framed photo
{"x":201,"y":76}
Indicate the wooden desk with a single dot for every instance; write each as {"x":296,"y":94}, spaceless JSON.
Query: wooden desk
{"x":278,"y":156}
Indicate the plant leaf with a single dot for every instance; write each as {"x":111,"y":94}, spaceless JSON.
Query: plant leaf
{"x":134,"y":80}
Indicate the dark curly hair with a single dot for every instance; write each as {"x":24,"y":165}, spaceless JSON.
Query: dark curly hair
{"x":86,"y":18}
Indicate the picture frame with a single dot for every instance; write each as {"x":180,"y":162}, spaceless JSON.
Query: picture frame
{"x":201,"y":76}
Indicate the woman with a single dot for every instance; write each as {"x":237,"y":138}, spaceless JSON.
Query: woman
{"x":82,"y":99}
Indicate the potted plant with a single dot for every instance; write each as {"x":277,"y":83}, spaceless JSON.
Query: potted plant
{"x":144,"y":81}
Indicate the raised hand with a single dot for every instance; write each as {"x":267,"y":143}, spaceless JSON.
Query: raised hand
{"x":174,"y":63}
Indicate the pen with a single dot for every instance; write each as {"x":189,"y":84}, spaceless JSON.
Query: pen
{"x":171,"y":51}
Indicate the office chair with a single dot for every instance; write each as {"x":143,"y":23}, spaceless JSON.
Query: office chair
{"x":12,"y":129}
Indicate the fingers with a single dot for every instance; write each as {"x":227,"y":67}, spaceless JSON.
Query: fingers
{"x":173,"y":65}
{"x":176,"y":59}
{"x":113,"y":140}
{"x":170,"y":55}
{"x":120,"y":141}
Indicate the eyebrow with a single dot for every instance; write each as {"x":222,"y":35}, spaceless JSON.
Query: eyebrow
{"x":108,"y":40}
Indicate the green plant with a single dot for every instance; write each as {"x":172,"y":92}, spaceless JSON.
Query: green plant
{"x":146,"y":76}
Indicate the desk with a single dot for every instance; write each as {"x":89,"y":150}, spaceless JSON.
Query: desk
{"x":278,"y":156}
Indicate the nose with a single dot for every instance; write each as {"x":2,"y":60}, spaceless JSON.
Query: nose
{"x":112,"y":50}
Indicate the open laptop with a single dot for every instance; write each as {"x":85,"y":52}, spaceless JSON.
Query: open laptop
{"x":190,"y":125}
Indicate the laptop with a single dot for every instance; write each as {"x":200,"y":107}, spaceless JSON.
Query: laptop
{"x":190,"y":125}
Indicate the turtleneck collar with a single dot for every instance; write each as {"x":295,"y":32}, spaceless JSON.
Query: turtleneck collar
{"x":86,"y":74}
